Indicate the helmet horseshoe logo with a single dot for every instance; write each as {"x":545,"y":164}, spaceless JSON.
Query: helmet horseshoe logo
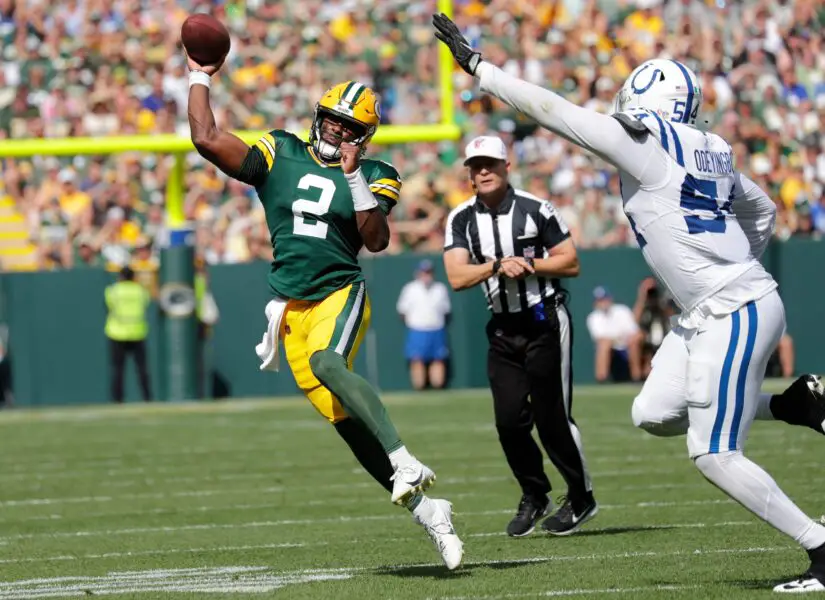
{"x":653,"y":79}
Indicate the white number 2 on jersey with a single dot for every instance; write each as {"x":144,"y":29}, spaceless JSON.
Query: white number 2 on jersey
{"x":315,"y":208}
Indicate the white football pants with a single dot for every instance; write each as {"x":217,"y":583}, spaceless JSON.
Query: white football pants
{"x":706,"y":382}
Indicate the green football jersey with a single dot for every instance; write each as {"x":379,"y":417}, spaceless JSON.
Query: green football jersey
{"x":311,"y":218}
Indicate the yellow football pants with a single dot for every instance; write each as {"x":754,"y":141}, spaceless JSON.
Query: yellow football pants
{"x":337,"y":322}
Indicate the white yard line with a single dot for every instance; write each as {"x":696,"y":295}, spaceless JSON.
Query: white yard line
{"x":130,"y":411}
{"x":577,"y":592}
{"x":323,"y":502}
{"x":294,"y":545}
{"x":259,"y":579}
{"x":275,"y":489}
{"x":286,"y":522}
{"x":59,"y":470}
{"x":401,"y":566}
{"x":228,"y":580}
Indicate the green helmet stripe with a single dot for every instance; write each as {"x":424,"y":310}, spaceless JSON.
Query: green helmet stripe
{"x":347,"y":90}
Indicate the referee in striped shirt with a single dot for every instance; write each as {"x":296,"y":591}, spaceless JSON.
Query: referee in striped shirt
{"x":517,"y":247}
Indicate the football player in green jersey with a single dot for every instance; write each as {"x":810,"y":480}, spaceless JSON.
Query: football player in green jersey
{"x":323,"y":202}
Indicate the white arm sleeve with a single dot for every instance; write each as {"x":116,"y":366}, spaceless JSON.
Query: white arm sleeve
{"x":601,"y":134}
{"x":756,"y":214}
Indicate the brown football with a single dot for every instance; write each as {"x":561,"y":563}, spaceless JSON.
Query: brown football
{"x":205,"y":38}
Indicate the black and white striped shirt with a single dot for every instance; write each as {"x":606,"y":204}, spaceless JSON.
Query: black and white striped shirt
{"x":523,"y":225}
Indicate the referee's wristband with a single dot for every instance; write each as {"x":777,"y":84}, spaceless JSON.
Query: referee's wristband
{"x":199,"y":78}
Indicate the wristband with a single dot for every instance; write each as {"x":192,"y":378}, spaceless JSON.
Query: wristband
{"x":199,"y":78}
{"x":496,"y":265}
{"x":362,"y":197}
{"x":530,"y":261}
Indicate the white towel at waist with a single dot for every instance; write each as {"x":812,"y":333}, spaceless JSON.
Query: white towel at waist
{"x":267,"y":350}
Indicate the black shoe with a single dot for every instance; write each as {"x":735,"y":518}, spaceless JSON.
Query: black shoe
{"x":803,"y":403}
{"x":568,"y":519}
{"x":530,"y":510}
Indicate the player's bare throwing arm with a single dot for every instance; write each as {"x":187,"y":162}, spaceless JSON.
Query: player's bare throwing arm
{"x":702,"y":227}
{"x":323,"y":203}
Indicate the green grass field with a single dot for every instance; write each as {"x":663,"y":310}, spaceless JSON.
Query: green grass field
{"x":260,"y":499}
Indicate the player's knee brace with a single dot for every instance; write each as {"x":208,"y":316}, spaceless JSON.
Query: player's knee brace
{"x":326,"y":364}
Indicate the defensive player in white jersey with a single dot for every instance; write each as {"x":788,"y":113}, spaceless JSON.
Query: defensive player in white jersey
{"x":702,"y":227}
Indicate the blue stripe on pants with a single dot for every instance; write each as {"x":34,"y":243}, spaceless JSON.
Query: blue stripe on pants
{"x":723,"y":386}
{"x":753,"y":322}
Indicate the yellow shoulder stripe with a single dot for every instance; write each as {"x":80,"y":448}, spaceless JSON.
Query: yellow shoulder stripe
{"x":391,"y":182}
{"x":384,"y":190}
{"x":267,"y":145}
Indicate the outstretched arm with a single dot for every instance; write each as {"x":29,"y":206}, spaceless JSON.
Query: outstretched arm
{"x":597,"y":132}
{"x":601,"y":134}
{"x":223,"y":149}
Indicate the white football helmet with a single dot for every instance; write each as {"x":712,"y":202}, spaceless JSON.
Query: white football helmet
{"x":666,"y":87}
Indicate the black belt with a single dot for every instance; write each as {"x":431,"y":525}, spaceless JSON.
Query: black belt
{"x":537,"y":312}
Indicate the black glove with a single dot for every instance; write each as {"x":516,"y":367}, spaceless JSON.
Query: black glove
{"x":447,"y":32}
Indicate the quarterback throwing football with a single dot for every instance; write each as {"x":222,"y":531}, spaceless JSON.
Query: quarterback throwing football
{"x":323,"y":203}
{"x":702,"y":227}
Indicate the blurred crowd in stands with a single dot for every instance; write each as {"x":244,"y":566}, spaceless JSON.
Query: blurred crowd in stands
{"x":115,"y":67}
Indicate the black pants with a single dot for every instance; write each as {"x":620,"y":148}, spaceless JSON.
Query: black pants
{"x":118,"y":352}
{"x":529,"y":366}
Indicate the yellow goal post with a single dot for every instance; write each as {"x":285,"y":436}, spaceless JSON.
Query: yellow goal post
{"x":179,"y":146}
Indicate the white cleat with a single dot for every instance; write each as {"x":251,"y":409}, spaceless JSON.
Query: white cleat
{"x":815,"y":384}
{"x":410,"y":479}
{"x":438,"y":524}
{"x":804,"y":585}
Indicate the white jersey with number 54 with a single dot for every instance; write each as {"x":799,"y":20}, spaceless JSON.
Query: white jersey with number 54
{"x":684,"y":221}
{"x":701,"y":225}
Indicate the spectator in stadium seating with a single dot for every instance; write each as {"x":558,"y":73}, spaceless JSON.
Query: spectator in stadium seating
{"x":62,"y":73}
{"x":424,"y":306}
{"x":145,"y":266}
{"x":617,"y":338}
{"x":84,"y":254}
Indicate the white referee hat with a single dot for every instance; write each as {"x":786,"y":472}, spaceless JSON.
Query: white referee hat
{"x":488,"y":146}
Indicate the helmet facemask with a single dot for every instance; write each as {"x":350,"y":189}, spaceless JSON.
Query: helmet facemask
{"x":327,"y":143}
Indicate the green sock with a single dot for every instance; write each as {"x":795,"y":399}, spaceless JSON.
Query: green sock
{"x":366,"y":450}
{"x":413,"y":502}
{"x":356,"y":396}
